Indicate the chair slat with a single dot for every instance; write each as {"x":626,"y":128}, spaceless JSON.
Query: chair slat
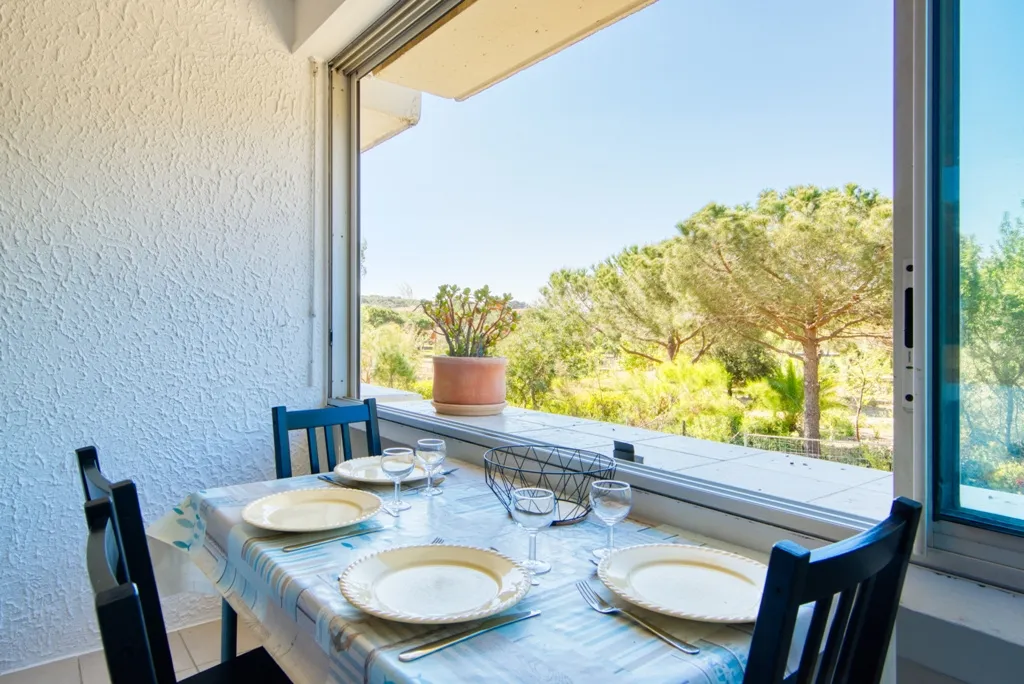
{"x":834,"y":644}
{"x":372,"y":429}
{"x":332,"y":458}
{"x":346,"y":443}
{"x":314,"y":458}
{"x":812,"y":644}
{"x":854,"y":630}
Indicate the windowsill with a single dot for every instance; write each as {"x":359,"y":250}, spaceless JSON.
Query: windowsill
{"x":847,"y":489}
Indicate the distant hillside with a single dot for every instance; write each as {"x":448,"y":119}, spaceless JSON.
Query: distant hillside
{"x":389,"y":302}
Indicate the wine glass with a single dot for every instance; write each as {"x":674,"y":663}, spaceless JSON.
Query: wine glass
{"x":533,"y":509}
{"x":430,"y":453}
{"x":397,"y":464}
{"x":610,"y":500}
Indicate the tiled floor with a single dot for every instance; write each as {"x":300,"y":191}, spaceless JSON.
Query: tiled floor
{"x":846,"y":488}
{"x":193,"y":650}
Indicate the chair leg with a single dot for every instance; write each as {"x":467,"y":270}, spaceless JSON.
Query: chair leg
{"x":228,"y":632}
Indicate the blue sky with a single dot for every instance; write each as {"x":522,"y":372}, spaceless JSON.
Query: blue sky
{"x":614,"y":140}
{"x":992,"y":115}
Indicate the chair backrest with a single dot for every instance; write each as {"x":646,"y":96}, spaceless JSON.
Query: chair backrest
{"x":325,"y":418}
{"x":866,"y":572}
{"x":130,"y":530}
{"x":118,"y":609}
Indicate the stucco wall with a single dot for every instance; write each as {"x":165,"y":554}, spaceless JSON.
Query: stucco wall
{"x":156,"y":273}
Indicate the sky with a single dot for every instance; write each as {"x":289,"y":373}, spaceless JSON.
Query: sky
{"x":614,"y":140}
{"x":991,"y":115}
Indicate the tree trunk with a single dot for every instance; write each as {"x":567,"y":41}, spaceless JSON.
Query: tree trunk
{"x":812,"y":406}
{"x":860,"y":408}
{"x":1009,"y":416}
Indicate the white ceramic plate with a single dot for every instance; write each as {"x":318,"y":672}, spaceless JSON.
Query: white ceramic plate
{"x":367,"y":469}
{"x":312,"y":510}
{"x":690,"y":582}
{"x":435,"y":584}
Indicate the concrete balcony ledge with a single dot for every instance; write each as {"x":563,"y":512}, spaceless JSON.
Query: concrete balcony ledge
{"x":845,"y":488}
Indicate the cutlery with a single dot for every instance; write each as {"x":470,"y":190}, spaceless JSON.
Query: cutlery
{"x":601,"y":606}
{"x":485,"y":626}
{"x":337,"y":537}
{"x":438,"y":540}
{"x":533,"y":578}
{"x":438,"y":479}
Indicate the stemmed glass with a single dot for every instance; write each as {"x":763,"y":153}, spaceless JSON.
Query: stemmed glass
{"x":610,"y":500}
{"x":533,"y":509}
{"x":397,"y":464}
{"x":430,"y":453}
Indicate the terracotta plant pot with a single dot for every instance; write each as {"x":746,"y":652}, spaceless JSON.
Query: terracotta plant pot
{"x":469,"y":386}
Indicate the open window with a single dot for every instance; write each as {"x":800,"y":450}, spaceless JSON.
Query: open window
{"x":602,"y":338}
{"x":972,"y":436}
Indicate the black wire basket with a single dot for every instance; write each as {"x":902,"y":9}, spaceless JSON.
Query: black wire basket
{"x":566,"y":472}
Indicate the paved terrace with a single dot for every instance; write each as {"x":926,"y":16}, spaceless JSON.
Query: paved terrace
{"x":847,"y":488}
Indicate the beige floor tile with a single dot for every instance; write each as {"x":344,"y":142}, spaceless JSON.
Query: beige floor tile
{"x":181,"y":674}
{"x":94,"y":668}
{"x":203,"y":642}
{"x":206,"y":666}
{"x":247,"y":638}
{"x":179,"y":652}
{"x":61,"y":672}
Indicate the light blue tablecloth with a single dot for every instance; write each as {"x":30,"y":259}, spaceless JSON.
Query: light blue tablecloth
{"x":317,"y":636}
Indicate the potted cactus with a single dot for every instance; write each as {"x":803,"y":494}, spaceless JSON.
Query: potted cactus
{"x":468,"y":381}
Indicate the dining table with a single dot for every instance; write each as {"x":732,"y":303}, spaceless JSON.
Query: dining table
{"x":291,"y":598}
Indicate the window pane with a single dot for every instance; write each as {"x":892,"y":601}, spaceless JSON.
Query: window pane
{"x":698,"y":253}
{"x":978,"y":262}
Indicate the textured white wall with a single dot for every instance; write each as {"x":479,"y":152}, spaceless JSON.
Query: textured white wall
{"x":157,"y":266}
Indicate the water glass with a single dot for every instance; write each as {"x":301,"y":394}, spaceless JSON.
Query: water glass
{"x":430,"y":453}
{"x":397,"y":464}
{"x":533,"y":509}
{"x":610,"y":500}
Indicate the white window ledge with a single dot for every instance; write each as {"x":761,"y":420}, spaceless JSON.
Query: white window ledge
{"x":847,"y":489}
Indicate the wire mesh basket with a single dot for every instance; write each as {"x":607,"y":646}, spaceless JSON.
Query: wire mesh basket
{"x":566,"y":472}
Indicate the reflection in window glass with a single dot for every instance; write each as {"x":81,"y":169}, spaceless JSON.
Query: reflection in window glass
{"x":980,"y":230}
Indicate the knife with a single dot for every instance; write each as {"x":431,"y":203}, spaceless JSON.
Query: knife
{"x":307,"y":544}
{"x":485,"y":626}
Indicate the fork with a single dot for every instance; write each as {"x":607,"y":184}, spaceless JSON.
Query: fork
{"x":438,"y":540}
{"x":602,"y":606}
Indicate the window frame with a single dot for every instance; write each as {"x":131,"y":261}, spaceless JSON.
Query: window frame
{"x":959,"y":542}
{"x":950,"y":547}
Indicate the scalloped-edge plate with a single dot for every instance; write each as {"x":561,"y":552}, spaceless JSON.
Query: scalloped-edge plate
{"x":367,"y":469}
{"x":434,"y":584}
{"x":689,"y":582}
{"x":312,"y":510}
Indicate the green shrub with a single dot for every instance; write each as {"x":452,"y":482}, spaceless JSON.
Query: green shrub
{"x":1008,"y":477}
{"x":424,"y":388}
{"x":719,"y":428}
{"x":377,"y":316}
{"x":836,"y":425}
{"x":760,"y":423}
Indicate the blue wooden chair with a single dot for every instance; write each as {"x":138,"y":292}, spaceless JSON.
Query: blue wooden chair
{"x":130,"y":636}
{"x":95,"y":485}
{"x":326,"y":418}
{"x":137,"y":564}
{"x":866,"y":572}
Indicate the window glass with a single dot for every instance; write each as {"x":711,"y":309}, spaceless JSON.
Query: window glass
{"x":978,"y":262}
